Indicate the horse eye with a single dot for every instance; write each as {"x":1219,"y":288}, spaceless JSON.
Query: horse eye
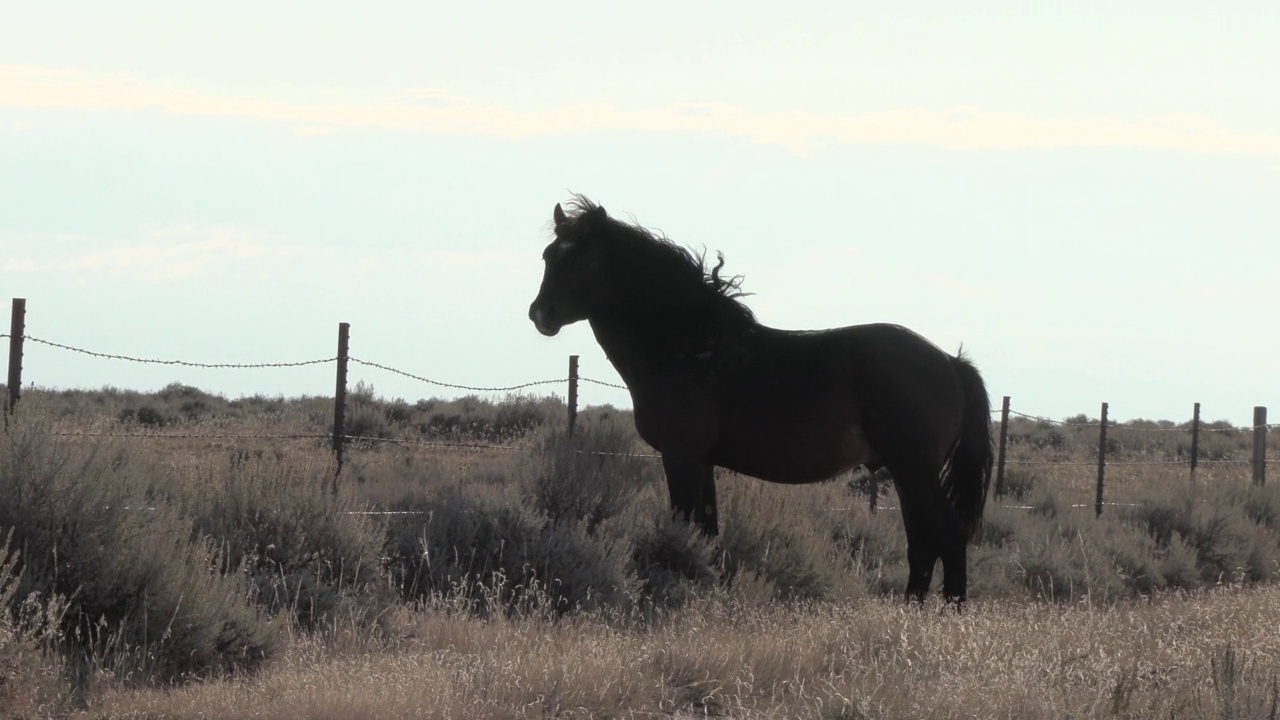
{"x":557,"y":249}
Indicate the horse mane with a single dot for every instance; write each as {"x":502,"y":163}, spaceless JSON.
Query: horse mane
{"x":694,"y":282}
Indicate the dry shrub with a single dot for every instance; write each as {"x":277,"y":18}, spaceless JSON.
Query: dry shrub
{"x":673,"y":561}
{"x":591,"y":476}
{"x":500,"y":555}
{"x":30,"y":635}
{"x":790,"y":536}
{"x":306,"y":550}
{"x":143,"y":590}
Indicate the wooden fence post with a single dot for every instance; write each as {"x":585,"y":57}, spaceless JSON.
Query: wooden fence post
{"x":1195,"y":440}
{"x":340,"y":400}
{"x":573,"y":392}
{"x":1259,"y":445}
{"x":1102,"y":461}
{"x":17,"y":333}
{"x":1004,"y":438}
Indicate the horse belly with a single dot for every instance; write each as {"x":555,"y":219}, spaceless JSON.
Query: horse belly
{"x":800,"y":455}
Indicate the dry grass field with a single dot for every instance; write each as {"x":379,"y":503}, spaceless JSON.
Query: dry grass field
{"x":1208,"y":655}
{"x":181,"y":555}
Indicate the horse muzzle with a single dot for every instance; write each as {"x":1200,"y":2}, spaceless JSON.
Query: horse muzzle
{"x":539,"y":318}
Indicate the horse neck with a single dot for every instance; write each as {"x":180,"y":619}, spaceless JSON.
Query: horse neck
{"x":662,"y":336}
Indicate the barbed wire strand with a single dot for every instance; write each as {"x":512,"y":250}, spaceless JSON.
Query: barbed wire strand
{"x":614,"y":454}
{"x":1112,"y":424}
{"x":431,"y":443}
{"x":1051,"y":421}
{"x":184,"y":363}
{"x":1127,"y":463}
{"x":508,"y":448}
{"x":191,"y":436}
{"x":472,"y":388}
{"x":537,"y":383}
{"x":603,"y":383}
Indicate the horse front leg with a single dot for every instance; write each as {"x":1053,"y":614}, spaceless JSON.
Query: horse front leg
{"x":692,"y":488}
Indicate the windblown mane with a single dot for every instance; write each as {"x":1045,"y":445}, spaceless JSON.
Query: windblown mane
{"x":677,"y":269}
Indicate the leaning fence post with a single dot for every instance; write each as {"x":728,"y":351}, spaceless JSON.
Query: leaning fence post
{"x":1259,"y":445}
{"x":1195,"y":440}
{"x":1004,"y":438}
{"x":340,"y":400}
{"x":1102,"y":461}
{"x":17,"y":333}
{"x":573,"y":392}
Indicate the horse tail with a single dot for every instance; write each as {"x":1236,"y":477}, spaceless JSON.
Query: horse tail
{"x":969,"y":469}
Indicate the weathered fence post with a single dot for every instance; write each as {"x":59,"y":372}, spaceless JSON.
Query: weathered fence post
{"x":573,"y":392}
{"x":874,"y":502}
{"x":1195,"y":440}
{"x":17,"y":333}
{"x":340,"y":400}
{"x":1004,"y":438}
{"x":1259,"y":445}
{"x":1102,"y":461}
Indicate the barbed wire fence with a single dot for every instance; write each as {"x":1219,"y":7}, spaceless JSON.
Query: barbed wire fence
{"x":341,"y":439}
{"x":1257,"y":461}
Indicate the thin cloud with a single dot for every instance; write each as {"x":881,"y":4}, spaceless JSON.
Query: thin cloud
{"x":435,"y":111}
{"x":964,"y":290}
{"x":1242,"y":292}
{"x":185,"y":252}
{"x":170,"y":254}
{"x":825,"y":254}
{"x":453,"y":258}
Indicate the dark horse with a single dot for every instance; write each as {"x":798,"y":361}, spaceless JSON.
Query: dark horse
{"x":712,"y":386}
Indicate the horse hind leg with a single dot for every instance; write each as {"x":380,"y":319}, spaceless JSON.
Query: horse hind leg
{"x":922,"y":545}
{"x":933,"y":531}
{"x":939,"y":535}
{"x":954,"y":567}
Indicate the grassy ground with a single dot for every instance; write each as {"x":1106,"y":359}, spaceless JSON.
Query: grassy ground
{"x":182,"y":555}
{"x":1208,"y":655}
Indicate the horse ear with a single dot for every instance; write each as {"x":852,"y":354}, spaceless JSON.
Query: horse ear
{"x":559,"y":216}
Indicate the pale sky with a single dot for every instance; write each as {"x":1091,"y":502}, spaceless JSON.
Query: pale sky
{"x":1088,"y":198}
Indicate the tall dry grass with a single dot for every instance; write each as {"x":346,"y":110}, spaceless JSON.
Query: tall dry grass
{"x":532,"y":576}
{"x":1213,"y":654}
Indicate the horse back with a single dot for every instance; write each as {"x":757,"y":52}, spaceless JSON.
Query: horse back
{"x":801,"y":406}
